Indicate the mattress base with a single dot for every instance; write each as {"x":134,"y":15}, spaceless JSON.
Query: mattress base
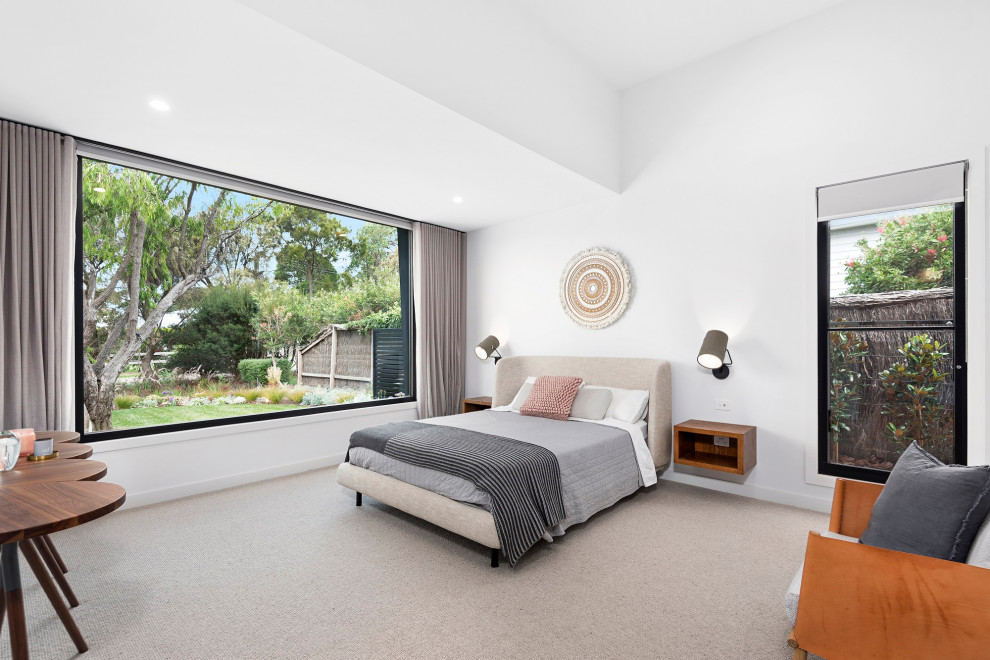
{"x":468,"y":521}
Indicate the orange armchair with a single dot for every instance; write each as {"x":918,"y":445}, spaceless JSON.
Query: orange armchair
{"x":859,"y":601}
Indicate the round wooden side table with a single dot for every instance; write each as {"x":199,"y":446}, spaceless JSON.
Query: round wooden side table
{"x":30,"y":511}
{"x":59,"y":436}
{"x":39,"y":472}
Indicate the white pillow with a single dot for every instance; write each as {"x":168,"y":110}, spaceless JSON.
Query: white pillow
{"x":627,"y":405}
{"x":591,"y":403}
{"x":979,"y":552}
{"x":523,"y":393}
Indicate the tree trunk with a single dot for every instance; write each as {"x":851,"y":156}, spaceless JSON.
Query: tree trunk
{"x":147,"y":368}
{"x":101,"y":411}
{"x":99,"y":404}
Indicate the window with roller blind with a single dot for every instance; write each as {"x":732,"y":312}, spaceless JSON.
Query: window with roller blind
{"x":891,"y":320}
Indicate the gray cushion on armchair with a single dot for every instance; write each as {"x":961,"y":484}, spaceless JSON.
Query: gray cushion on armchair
{"x":930,"y":508}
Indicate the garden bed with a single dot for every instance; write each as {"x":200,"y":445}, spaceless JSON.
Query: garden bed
{"x":140,"y":417}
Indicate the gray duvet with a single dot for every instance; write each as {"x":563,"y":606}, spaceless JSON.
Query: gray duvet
{"x":597,"y":463}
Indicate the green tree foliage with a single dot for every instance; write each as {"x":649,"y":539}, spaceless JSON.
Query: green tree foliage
{"x":313,"y":241}
{"x":374,"y":254}
{"x":847,"y":352}
{"x":273,"y":323}
{"x":368,"y":304}
{"x":911,"y":395}
{"x":218,"y":334}
{"x":914,"y":252}
{"x":147,"y":240}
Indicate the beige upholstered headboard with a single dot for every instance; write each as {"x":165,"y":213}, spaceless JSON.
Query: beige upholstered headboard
{"x":628,"y":373}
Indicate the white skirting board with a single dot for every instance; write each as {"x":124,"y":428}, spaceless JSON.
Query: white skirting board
{"x":230,"y":481}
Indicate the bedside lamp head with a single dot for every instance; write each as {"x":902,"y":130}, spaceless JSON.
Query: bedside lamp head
{"x":488,"y":346}
{"x":713,"y":352}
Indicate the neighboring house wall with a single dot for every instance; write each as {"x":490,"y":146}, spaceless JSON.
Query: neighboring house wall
{"x":843,"y":249}
{"x":717,"y":217}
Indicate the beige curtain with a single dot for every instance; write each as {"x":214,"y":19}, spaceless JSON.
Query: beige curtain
{"x":37,"y":246}
{"x":440,"y":304}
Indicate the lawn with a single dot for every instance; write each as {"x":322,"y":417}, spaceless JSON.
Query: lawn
{"x":139,"y":417}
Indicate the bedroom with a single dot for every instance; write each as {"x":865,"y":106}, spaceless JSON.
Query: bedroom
{"x":696,"y":158}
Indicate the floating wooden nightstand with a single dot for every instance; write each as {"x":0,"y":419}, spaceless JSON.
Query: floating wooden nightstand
{"x":733,"y":451}
{"x":476,"y":403}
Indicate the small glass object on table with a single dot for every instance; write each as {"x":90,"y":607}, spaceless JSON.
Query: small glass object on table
{"x":10,"y":450}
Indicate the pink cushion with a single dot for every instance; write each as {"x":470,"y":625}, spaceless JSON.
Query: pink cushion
{"x":552,"y":397}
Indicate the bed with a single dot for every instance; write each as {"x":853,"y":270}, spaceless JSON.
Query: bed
{"x":588,"y":486}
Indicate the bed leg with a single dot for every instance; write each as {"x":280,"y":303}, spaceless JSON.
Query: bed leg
{"x":357,"y":501}
{"x":494,"y":558}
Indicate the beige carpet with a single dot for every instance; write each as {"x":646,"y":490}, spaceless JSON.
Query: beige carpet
{"x":290,"y":568}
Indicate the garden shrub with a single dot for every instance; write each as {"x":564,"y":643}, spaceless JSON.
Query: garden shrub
{"x":218,"y":334}
{"x":324,"y":397}
{"x":256,"y":370}
{"x":295,"y":396}
{"x":913,"y":253}
{"x":251,"y":395}
{"x":273,"y":394}
{"x":847,"y":352}
{"x":125,"y":401}
{"x":911,"y":395}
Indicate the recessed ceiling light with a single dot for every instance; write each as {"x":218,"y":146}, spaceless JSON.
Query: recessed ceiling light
{"x":457,"y":200}
{"x":159,"y":105}
{"x":99,"y":189}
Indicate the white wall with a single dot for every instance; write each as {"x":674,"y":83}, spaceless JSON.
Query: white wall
{"x":720,"y":162}
{"x":484,"y":60}
{"x":170,"y":465}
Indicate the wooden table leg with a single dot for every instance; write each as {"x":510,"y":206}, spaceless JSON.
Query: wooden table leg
{"x":42,"y":549}
{"x":3,"y":602}
{"x":34,"y":561}
{"x":15,"y":601}
{"x":50,"y":546}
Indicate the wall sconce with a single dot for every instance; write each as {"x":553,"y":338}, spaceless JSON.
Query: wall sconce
{"x":488,"y":346}
{"x":713,"y":352}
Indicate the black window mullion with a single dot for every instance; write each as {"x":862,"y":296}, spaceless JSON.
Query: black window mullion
{"x":959,"y":336}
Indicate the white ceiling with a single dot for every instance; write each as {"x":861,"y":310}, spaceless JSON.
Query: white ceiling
{"x":396,"y":106}
{"x":632,"y":41}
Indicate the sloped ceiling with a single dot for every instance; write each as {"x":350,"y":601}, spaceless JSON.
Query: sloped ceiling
{"x":396,"y":106}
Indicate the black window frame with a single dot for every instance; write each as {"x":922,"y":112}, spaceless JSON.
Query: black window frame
{"x":825,"y":466}
{"x":405,"y":246}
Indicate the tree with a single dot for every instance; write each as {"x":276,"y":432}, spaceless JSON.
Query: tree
{"x":218,"y":334}
{"x":147,"y":240}
{"x":373,"y":252}
{"x":312,"y":242}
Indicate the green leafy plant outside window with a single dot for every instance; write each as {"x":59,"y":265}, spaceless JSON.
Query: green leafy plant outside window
{"x":848,"y":351}
{"x":911,"y":395}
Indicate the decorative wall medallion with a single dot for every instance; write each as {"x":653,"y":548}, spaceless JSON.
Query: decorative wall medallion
{"x":595,"y":287}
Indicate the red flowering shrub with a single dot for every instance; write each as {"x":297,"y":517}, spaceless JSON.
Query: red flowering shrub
{"x":898,"y":262}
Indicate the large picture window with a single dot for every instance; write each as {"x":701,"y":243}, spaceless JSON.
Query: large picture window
{"x":201,"y":304}
{"x":892,"y":365}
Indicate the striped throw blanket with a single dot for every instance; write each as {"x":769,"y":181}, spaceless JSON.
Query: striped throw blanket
{"x":522,"y":479}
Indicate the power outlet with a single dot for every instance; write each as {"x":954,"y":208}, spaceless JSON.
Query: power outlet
{"x":722,"y":404}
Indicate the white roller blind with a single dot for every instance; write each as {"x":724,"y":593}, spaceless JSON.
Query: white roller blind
{"x":942,"y":184}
